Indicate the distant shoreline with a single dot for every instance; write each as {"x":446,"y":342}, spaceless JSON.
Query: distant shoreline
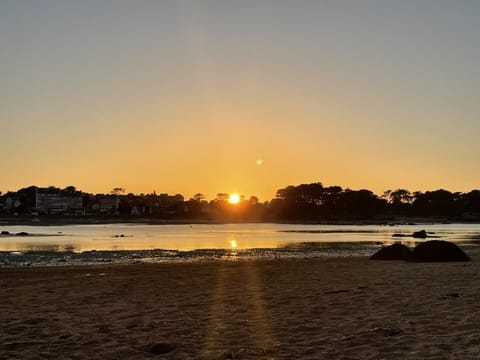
{"x":65,"y":221}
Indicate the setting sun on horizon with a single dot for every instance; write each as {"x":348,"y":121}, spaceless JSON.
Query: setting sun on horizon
{"x":234,"y":198}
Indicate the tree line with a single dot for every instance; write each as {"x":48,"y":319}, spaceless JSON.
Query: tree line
{"x":305,"y":202}
{"x":314,"y":201}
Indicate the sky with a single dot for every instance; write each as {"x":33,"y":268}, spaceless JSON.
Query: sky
{"x":239,"y":96}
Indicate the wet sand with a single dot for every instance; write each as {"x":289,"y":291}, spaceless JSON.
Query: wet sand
{"x":286,"y":309}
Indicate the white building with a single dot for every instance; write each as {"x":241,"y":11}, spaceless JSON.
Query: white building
{"x":54,"y":202}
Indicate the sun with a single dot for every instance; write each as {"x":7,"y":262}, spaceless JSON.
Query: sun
{"x":234,"y":198}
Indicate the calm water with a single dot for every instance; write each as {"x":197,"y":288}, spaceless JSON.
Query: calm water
{"x":81,"y":238}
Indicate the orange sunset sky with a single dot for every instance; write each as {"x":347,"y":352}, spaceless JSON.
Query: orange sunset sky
{"x":239,"y":96}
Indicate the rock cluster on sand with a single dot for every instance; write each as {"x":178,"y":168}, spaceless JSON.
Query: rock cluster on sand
{"x":392,"y":252}
{"x":432,"y":250}
{"x":422,"y":234}
{"x":438,"y":250}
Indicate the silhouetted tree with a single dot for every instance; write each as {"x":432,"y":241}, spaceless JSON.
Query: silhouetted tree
{"x":331,"y":196}
{"x":253,"y":200}
{"x":399,"y":196}
{"x":468,"y":203}
{"x":198,"y":197}
{"x":117,"y":191}
{"x":221,"y":197}
{"x":70,"y":190}
{"x":27,"y":197}
{"x":399,"y":201}
{"x":434,"y":203}
{"x":360,"y":204}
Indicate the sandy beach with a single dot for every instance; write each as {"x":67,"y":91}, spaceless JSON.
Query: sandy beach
{"x":349,"y":308}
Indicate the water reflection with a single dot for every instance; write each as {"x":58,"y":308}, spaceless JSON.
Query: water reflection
{"x":232,"y":253}
{"x":43,"y":247}
{"x":317,"y":244}
{"x":332,"y":231}
{"x":229,"y":237}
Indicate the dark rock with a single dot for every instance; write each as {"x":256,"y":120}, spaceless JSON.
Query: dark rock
{"x":346,"y":337}
{"x":392,"y":252}
{"x":388,"y":332}
{"x":4,"y":232}
{"x":399,"y":235}
{"x":336,"y":291}
{"x":22,"y":233}
{"x":454,"y":295}
{"x":160,"y":348}
{"x":438,"y":250}
{"x":231,"y":355}
{"x":422,"y":234}
{"x":104,"y":328}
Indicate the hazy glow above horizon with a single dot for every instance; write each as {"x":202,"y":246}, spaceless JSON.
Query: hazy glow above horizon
{"x":185,"y":96}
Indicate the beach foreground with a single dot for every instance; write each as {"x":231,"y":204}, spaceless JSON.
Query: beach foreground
{"x":349,"y":308}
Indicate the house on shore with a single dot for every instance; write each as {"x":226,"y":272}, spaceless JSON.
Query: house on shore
{"x":54,"y":201}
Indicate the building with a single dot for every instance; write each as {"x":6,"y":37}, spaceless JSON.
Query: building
{"x":104,"y":204}
{"x":54,"y":201}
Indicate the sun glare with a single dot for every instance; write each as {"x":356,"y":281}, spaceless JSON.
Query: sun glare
{"x":234,"y":198}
